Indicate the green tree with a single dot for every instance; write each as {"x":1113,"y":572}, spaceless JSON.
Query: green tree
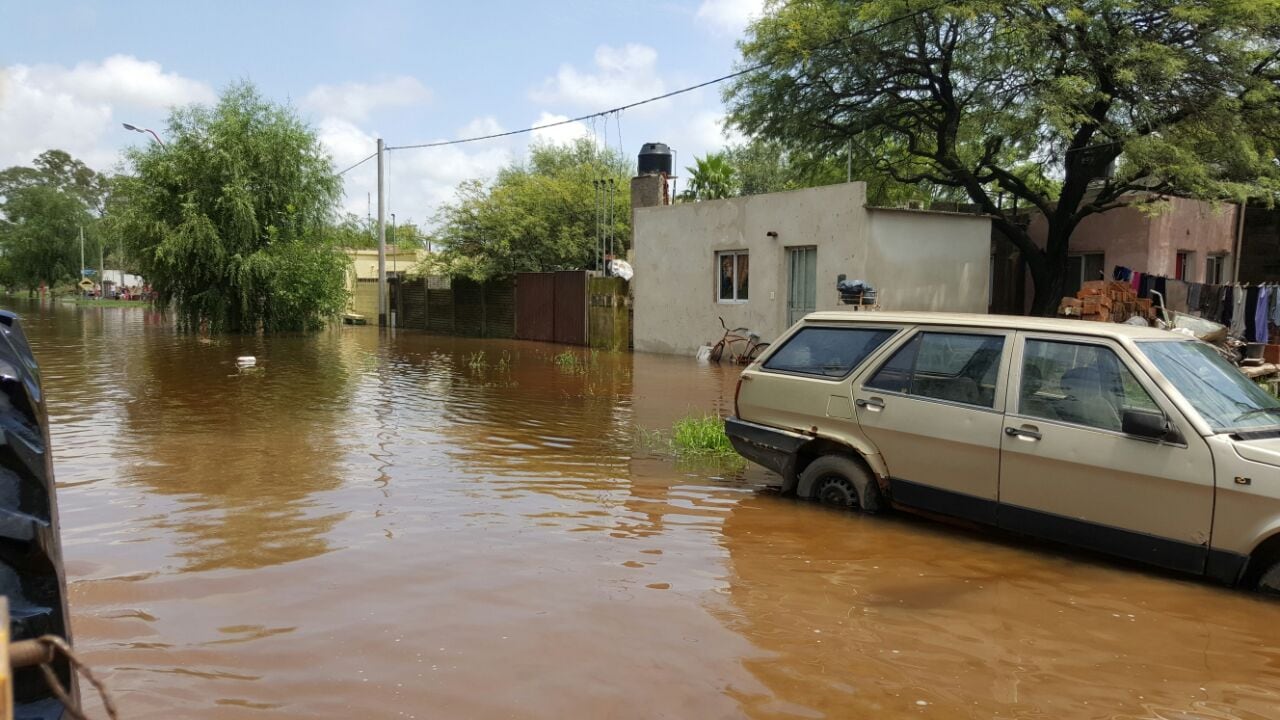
{"x":712,"y":177}
{"x":1073,"y":107}
{"x":42,"y":210}
{"x":765,"y":166}
{"x":229,"y":220}
{"x":539,"y":215}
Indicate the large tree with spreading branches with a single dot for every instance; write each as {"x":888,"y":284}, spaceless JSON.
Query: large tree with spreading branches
{"x":1073,"y":108}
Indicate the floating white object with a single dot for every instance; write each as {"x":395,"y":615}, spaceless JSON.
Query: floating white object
{"x":621,"y":268}
{"x":246,"y":361}
{"x":704,"y":353}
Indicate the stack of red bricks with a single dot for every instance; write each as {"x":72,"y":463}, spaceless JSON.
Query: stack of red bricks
{"x":1106,"y":301}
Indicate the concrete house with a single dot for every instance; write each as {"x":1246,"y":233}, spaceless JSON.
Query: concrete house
{"x":765,"y":261}
{"x":1190,"y":240}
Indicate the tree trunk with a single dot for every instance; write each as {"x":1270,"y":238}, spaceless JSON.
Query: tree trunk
{"x":1049,"y":275}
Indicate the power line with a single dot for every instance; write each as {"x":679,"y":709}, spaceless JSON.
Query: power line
{"x":656,"y":98}
{"x":353,"y":167}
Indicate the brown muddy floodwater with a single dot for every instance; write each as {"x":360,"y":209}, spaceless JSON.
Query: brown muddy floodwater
{"x":380,"y":526}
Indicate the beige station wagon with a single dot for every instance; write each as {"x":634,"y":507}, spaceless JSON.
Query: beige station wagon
{"x":1128,"y":440}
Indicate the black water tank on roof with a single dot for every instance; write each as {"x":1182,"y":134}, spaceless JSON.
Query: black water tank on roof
{"x":655,"y":159}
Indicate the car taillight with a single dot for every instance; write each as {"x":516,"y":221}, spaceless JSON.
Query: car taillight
{"x":736,"y":392}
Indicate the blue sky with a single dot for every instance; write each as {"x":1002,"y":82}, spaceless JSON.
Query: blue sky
{"x":72,"y":72}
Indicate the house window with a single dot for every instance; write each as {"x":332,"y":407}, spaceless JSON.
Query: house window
{"x":1182,"y":266}
{"x":1215,"y":269}
{"x":1081,"y":268}
{"x":733,"y":268}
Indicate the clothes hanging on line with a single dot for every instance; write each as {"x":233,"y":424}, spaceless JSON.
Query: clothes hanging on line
{"x":1251,"y":295}
{"x":1238,"y":311}
{"x":1178,"y":295}
{"x":1262,"y":316}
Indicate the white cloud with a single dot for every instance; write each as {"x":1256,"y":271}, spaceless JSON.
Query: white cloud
{"x":479,"y":127}
{"x":357,"y":101}
{"x":127,"y":81}
{"x":78,"y":109}
{"x":706,"y":129}
{"x":729,"y":16}
{"x":417,"y":180}
{"x":560,"y":134}
{"x":620,"y":76}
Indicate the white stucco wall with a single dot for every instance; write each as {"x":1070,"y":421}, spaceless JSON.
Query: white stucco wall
{"x":676,"y":276}
{"x":929,"y":261}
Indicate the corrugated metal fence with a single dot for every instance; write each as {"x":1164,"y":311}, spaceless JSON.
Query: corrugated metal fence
{"x":550,"y":307}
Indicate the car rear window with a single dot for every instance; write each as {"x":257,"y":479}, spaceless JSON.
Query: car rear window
{"x":827,"y":352}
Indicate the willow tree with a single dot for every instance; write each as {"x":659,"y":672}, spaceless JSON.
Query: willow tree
{"x":1073,"y":108}
{"x":228,"y":219}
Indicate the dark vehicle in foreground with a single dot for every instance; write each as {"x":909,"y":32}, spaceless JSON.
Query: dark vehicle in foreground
{"x":31,"y":574}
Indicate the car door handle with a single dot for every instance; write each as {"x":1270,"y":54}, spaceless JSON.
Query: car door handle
{"x":874,"y":404}
{"x":1026,"y":434}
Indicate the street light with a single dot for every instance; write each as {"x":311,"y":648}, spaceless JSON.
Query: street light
{"x":135,"y":128}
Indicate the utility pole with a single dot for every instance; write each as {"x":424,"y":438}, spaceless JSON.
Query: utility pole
{"x":102,"y":271}
{"x":382,"y":238}
{"x":81,"y":253}
{"x":394,"y":253}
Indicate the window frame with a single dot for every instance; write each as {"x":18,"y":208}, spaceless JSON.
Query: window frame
{"x":1218,"y":263}
{"x":777,"y":346}
{"x":1102,"y":262}
{"x":735,"y":254}
{"x":890,"y":351}
{"x":1013,"y":400}
{"x":1183,"y":262}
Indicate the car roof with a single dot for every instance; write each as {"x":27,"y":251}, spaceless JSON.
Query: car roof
{"x":1003,"y":322}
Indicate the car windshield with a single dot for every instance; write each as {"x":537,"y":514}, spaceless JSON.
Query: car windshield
{"x":1223,"y":396}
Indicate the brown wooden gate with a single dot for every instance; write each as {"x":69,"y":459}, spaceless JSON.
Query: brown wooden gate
{"x":535,"y":306}
{"x":571,"y":307}
{"x":552,"y":307}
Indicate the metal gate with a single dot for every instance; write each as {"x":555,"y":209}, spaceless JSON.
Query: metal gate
{"x":552,"y":307}
{"x":535,"y":306}
{"x":802,"y":297}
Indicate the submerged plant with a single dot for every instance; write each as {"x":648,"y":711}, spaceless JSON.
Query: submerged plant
{"x":701,"y":435}
{"x":566,"y":361}
{"x":476,"y":360}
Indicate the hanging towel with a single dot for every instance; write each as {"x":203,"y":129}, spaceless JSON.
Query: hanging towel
{"x":1193,"y":298}
{"x":1274,"y":296}
{"x":1210,"y":304}
{"x":1177,"y":299}
{"x":1251,"y":314}
{"x":1262,"y":316}
{"x":1135,"y":280}
{"x":1226,"y":304}
{"x":1161,"y":286}
{"x":1237,"y":311}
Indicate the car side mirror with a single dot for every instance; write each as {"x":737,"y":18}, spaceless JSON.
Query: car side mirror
{"x":1147,"y":424}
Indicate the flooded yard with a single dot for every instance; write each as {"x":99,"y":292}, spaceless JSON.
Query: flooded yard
{"x":385,"y":526}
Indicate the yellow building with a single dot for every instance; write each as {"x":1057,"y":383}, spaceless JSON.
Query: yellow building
{"x":362,"y":278}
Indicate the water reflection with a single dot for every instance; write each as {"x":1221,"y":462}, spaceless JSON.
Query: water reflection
{"x":379,"y":525}
{"x":858,"y":616}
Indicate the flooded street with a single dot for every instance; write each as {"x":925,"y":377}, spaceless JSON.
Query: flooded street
{"x":418,"y":526}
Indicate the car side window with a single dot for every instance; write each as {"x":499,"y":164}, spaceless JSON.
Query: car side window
{"x":957,"y":367}
{"x":1078,"y":383}
{"x":827,"y":352}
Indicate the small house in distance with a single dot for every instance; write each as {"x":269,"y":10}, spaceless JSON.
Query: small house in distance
{"x":765,"y":261}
